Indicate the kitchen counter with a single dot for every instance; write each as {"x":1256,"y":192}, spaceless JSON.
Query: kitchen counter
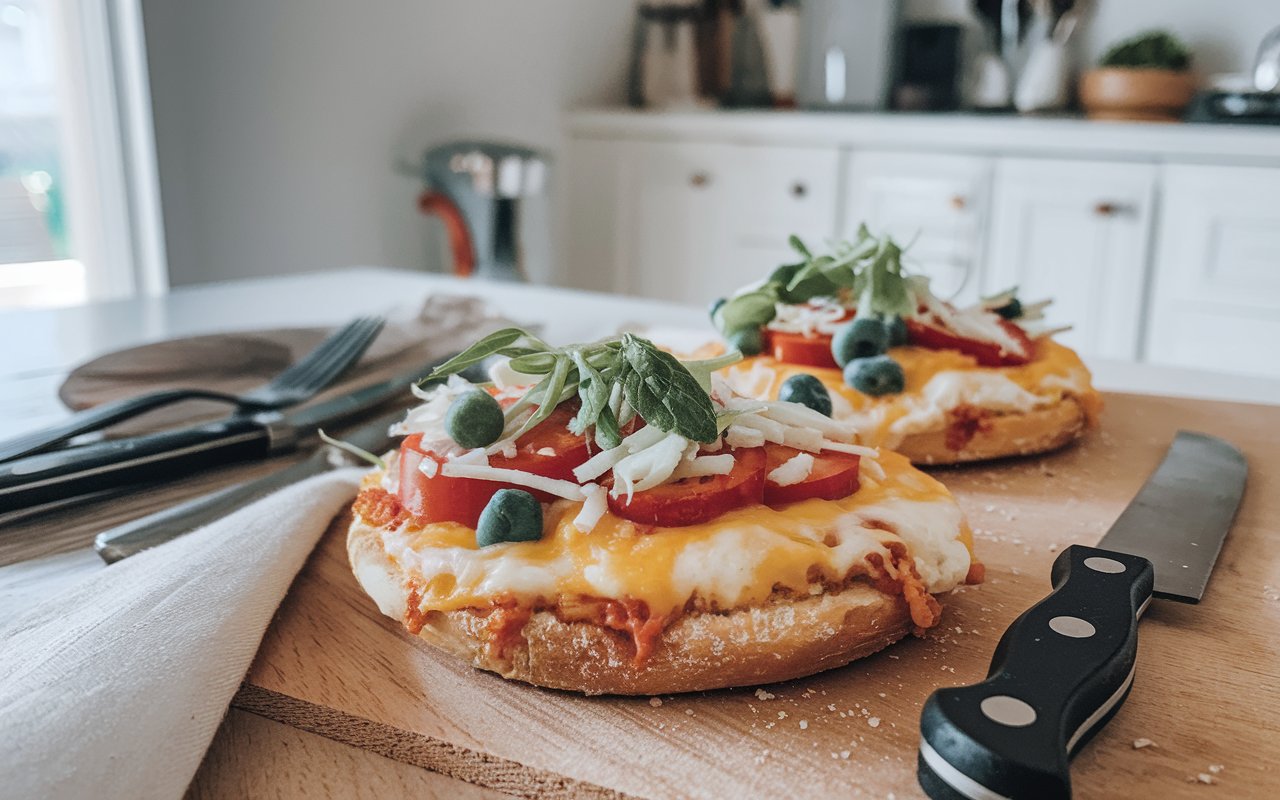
{"x":1002,"y":134}
{"x":54,"y":341}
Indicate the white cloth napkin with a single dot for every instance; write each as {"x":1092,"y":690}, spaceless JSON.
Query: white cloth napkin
{"x":115,"y":688}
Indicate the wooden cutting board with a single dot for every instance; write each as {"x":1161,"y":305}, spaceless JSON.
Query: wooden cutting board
{"x":1207,"y":691}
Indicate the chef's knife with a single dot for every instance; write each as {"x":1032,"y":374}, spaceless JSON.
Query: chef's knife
{"x":146,"y":532}
{"x":50,"y":477}
{"x":1063,"y":668}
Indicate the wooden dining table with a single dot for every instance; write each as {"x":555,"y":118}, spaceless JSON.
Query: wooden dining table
{"x":252,"y":755}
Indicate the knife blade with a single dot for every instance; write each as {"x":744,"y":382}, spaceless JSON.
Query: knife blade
{"x":146,"y":532}
{"x":1065,"y":666}
{"x":53,"y":477}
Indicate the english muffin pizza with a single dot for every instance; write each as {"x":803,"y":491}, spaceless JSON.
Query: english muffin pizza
{"x":853,"y":334}
{"x":605,"y":518}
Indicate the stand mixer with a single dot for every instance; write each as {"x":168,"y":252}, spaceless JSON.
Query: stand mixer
{"x":475,"y":188}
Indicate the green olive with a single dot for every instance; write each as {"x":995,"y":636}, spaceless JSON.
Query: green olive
{"x":876,"y":376}
{"x":806,"y":390}
{"x":862,"y":338}
{"x":475,"y":419}
{"x":898,"y":335}
{"x":512,"y":515}
{"x":748,"y":340}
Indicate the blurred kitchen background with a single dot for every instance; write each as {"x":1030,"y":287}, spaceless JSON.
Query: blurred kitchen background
{"x":1119,"y":155}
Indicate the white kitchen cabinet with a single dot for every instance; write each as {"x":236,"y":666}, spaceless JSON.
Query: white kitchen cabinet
{"x":1076,"y":231}
{"x":693,"y":221}
{"x":936,"y":202}
{"x":1216,"y":295}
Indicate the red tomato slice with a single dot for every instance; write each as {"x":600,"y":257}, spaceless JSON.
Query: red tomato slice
{"x":988,"y":354}
{"x":691,"y":501}
{"x":834,"y":476}
{"x":550,"y":450}
{"x":797,"y":348}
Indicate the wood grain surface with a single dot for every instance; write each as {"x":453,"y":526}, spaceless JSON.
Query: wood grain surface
{"x":1207,"y":690}
{"x":255,"y":757}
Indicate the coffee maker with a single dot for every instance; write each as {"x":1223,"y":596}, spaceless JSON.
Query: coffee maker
{"x":476,"y":188}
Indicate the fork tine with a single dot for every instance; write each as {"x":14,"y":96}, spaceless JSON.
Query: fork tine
{"x":346,"y":354}
{"x":332,"y":355}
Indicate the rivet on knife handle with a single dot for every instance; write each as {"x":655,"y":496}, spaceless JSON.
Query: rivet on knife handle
{"x":1060,"y":671}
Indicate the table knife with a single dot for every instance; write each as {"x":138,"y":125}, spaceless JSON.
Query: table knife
{"x":1065,"y":666}
{"x":146,"y":532}
{"x":53,"y":477}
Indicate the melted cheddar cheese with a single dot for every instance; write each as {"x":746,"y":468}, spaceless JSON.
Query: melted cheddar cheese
{"x":937,"y":382}
{"x":739,"y":559}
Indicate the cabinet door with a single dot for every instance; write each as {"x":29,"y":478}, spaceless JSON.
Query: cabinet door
{"x":1076,"y":231}
{"x":593,"y":226}
{"x":937,"y":203}
{"x":711,"y":217}
{"x":1216,"y":298}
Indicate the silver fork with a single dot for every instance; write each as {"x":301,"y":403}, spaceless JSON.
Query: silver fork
{"x":298,"y":383}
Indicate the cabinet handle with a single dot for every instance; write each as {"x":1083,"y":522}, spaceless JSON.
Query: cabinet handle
{"x":699,"y":179}
{"x":1110,"y":209}
{"x":798,"y":189}
{"x":959,"y":202}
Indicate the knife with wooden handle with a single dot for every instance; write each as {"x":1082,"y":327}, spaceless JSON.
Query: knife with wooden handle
{"x":1065,"y":666}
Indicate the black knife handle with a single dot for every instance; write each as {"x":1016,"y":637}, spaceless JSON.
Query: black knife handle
{"x":97,"y":418}
{"x":76,"y":471}
{"x":1058,"y":674}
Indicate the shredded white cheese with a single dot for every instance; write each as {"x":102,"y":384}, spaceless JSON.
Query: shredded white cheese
{"x":818,"y":316}
{"x":739,"y":436}
{"x":593,"y":508}
{"x":794,"y":470}
{"x":700,"y":466}
{"x":483,"y":472}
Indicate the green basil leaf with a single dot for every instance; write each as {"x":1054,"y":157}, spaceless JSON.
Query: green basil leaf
{"x":593,"y":391}
{"x":490,"y":345}
{"x":664,"y":393}
{"x":798,"y":246}
{"x":701,"y":370}
{"x":749,"y":310}
{"x":607,"y":434}
{"x":534,"y":363}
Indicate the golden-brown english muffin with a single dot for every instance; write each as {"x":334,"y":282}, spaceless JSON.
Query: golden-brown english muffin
{"x":649,"y":530}
{"x":911,"y":371}
{"x":952,"y":409}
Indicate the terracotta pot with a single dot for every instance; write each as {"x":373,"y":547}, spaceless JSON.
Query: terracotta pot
{"x":1153,"y":95}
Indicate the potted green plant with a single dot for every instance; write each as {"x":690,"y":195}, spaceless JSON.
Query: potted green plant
{"x":1147,"y":77}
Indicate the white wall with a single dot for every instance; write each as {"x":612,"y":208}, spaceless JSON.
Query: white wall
{"x":278,"y":123}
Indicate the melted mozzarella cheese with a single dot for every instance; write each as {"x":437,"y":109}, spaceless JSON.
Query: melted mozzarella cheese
{"x":937,"y":383}
{"x":733,"y":561}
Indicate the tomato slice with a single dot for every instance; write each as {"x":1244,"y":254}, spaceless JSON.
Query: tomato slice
{"x":834,"y":476}
{"x":988,"y":354}
{"x":798,"y":348}
{"x":691,"y":501}
{"x":550,"y":449}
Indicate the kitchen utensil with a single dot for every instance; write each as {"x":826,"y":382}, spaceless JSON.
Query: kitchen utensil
{"x":298,"y":383}
{"x":141,"y":534}
{"x":748,"y":70}
{"x":476,"y":189}
{"x":848,"y":52}
{"x":1252,"y":108}
{"x":1064,"y":666}
{"x":1266,"y":65}
{"x":50,"y":477}
{"x":929,"y":75}
{"x":666,"y":60}
{"x":1042,"y":86}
